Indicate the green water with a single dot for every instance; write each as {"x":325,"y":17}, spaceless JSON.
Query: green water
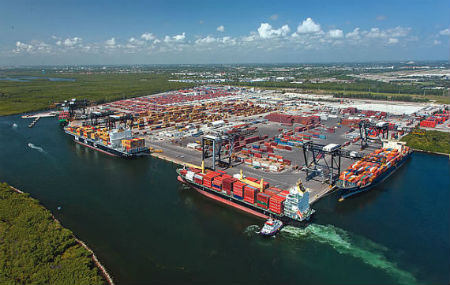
{"x":147,"y":228}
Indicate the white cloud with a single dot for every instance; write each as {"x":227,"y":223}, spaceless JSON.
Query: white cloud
{"x":210,"y":40}
{"x":375,"y":33}
{"x":336,"y":34}
{"x":33,"y":47}
{"x":308,"y":26}
{"x":180,"y":37}
{"x":176,"y":38}
{"x":20,"y":47}
{"x":148,"y":36}
{"x":266,"y":31}
{"x":274,"y":17}
{"x":436,"y":42}
{"x":70,"y":42}
{"x":396,"y":32}
{"x":445,"y":32}
{"x":353,"y":34}
{"x":228,"y":40}
{"x":221,"y":28}
{"x":381,"y":18}
{"x":307,"y":36}
{"x":249,"y":38}
{"x":206,"y":40}
{"x":111,"y":43}
{"x":135,"y":41}
{"x":392,"y":41}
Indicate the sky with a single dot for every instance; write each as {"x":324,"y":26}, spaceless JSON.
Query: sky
{"x":200,"y":32}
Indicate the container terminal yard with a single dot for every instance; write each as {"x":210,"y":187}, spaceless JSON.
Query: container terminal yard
{"x":280,"y":138}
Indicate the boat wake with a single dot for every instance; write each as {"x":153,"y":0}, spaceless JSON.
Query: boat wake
{"x":38,"y":148}
{"x":252,"y":230}
{"x":344,"y":242}
{"x":14,"y":126}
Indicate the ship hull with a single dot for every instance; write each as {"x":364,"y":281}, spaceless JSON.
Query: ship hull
{"x":351,"y":191}
{"x":242,"y":205}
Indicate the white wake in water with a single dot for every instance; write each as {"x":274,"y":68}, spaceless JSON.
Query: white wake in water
{"x":252,"y":230}
{"x":346,"y":243}
{"x":14,"y":126}
{"x":38,"y":148}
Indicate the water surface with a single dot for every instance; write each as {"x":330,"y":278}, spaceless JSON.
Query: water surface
{"x":147,"y":228}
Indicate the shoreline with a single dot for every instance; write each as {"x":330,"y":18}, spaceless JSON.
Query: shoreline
{"x":168,"y":159}
{"x":97,"y":263}
{"x":431,"y":152}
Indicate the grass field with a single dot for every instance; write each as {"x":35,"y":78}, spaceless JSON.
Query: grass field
{"x":35,"y":249}
{"x":20,"y":97}
{"x":433,"y":141}
{"x":391,"y":96}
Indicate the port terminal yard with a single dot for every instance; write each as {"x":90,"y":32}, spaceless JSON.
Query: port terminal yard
{"x":268,"y":130}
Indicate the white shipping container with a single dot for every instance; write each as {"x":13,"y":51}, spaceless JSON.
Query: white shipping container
{"x":273,"y":168}
{"x":190,"y":175}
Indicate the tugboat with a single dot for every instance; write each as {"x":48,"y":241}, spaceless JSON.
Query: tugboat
{"x":271,"y":227}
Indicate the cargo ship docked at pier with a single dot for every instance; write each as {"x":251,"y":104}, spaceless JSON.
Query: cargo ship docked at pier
{"x":372,"y":169}
{"x":251,"y":195}
{"x":117,"y":142}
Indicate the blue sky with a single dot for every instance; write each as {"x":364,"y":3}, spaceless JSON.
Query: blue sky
{"x":135,"y":32}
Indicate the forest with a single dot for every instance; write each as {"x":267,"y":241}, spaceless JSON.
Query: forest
{"x":36,"y":249}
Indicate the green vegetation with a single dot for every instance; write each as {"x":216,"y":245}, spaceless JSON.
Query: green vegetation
{"x":35,"y":249}
{"x":358,"y":85}
{"x":20,"y":97}
{"x":433,"y":141}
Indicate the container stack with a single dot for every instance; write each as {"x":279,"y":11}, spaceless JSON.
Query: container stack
{"x":371,"y":166}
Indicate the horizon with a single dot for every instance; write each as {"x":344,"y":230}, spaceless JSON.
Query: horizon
{"x":382,"y":62}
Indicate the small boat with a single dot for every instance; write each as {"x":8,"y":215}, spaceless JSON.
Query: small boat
{"x":271,"y":227}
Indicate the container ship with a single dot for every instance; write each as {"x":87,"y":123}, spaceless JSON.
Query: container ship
{"x":372,"y":169}
{"x":251,"y":195}
{"x":117,"y":142}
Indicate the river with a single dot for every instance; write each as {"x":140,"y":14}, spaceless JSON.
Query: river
{"x":147,"y":228}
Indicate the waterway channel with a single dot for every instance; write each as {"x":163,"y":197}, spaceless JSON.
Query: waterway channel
{"x":147,"y":228}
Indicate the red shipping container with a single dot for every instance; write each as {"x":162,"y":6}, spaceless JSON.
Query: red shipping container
{"x":262,"y":200}
{"x":196,"y":170}
{"x":262,"y":205}
{"x":227,"y":176}
{"x":238,"y":188}
{"x":227,"y":184}
{"x":217,"y":180}
{"x":250,"y":193}
{"x":251,"y":179}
